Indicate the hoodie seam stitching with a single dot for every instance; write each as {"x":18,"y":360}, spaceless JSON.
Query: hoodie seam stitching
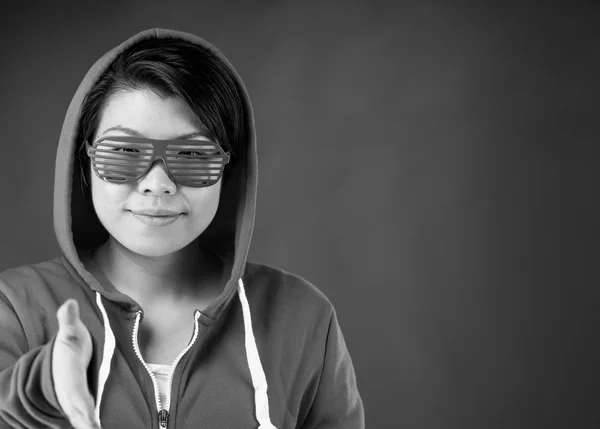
{"x":322,"y":370}
{"x":14,"y":310}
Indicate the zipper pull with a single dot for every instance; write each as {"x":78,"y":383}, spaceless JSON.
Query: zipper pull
{"x":163,"y":415}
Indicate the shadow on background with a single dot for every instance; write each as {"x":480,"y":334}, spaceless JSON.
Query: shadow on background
{"x":430,"y":168}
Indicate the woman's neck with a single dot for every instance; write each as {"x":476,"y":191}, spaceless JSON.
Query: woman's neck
{"x":177,"y":276}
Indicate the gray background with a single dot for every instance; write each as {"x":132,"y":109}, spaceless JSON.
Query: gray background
{"x":430,"y":166}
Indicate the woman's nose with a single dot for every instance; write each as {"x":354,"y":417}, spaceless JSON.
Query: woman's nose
{"x":157,"y":181}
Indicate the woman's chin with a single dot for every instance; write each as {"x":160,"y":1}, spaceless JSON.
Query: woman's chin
{"x":153,"y":248}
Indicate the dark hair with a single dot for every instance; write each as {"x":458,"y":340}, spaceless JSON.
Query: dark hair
{"x":171,"y":67}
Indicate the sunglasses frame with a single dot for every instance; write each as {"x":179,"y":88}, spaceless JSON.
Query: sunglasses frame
{"x":159,"y":151}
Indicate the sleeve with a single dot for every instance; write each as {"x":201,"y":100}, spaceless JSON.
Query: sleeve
{"x":337,"y":403}
{"x":27,"y":397}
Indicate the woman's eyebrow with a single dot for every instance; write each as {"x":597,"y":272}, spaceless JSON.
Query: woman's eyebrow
{"x":125,"y":130}
{"x":135,"y":133}
{"x":191,"y":135}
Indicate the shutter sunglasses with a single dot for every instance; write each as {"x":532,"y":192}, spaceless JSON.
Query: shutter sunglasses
{"x":195,"y":163}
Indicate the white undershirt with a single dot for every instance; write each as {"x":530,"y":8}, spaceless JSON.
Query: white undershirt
{"x":162,"y":374}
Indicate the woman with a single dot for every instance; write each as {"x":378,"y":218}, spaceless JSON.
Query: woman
{"x":153,"y":317}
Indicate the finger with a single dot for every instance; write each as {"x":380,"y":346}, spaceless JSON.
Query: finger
{"x":82,"y":422}
{"x":68,"y":313}
{"x":70,"y":326}
{"x":78,"y":405}
{"x":81,"y":412}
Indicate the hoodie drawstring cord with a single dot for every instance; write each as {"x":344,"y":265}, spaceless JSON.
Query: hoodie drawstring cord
{"x":107,"y":354}
{"x":259,"y":380}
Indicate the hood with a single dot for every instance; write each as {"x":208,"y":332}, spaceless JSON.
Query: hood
{"x":78,"y":228}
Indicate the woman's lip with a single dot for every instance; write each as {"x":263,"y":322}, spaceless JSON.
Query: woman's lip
{"x":154,"y":220}
{"x":155,"y":213}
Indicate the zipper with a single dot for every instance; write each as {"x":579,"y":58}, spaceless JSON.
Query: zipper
{"x":178,"y":358}
{"x":163,"y":413}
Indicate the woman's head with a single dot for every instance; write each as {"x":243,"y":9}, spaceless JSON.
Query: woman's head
{"x":161,"y":89}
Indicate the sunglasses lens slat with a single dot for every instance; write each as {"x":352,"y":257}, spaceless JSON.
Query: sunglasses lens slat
{"x":199,"y":165}
{"x":123,"y":150}
{"x":189,"y":171}
{"x":124,"y":142}
{"x":194,"y":144}
{"x":200,"y":183}
{"x":184,"y":175}
{"x":120,"y":169}
{"x":104,"y":161}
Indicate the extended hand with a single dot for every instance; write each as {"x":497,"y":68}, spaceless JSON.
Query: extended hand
{"x":70,"y":359}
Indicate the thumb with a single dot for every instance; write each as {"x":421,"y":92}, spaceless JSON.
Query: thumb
{"x":68,"y":318}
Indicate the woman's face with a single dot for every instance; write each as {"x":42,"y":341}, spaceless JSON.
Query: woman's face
{"x":119,"y":206}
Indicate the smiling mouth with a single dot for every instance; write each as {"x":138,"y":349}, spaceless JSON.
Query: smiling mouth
{"x":156,"y":213}
{"x":156,"y":219}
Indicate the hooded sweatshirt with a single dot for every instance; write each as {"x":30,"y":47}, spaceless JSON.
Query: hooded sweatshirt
{"x":267,"y":353}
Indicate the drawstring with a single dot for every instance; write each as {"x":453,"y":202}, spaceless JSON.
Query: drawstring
{"x":259,"y":380}
{"x":107,"y":354}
